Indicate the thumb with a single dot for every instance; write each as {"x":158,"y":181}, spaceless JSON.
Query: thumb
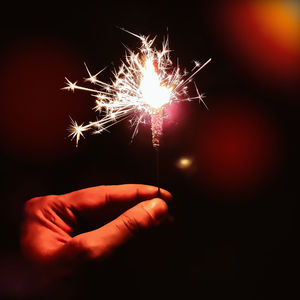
{"x":101,"y":242}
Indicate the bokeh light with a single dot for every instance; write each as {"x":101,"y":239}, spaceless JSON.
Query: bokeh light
{"x":237,"y":148}
{"x":263,"y":38}
{"x":184,"y":162}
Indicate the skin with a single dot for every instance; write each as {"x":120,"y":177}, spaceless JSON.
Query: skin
{"x":54,"y":236}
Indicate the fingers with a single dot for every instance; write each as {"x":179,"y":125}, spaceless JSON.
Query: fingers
{"x":47,"y":240}
{"x":103,"y":241}
{"x":100,"y":196}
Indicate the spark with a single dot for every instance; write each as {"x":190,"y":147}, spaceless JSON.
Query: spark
{"x":71,"y":86}
{"x":76,"y":131}
{"x":143,"y":86}
{"x":197,"y":65}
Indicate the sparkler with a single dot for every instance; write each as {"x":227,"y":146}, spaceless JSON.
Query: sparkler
{"x":145,"y":84}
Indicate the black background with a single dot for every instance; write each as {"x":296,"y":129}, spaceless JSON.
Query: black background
{"x":222,"y":244}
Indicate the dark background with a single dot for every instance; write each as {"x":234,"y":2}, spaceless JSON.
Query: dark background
{"x":234,"y":233}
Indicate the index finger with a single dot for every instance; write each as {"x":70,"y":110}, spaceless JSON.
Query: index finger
{"x":100,"y":196}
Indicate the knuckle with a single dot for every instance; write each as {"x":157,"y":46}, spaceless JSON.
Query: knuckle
{"x":83,"y":248}
{"x":148,"y":219}
{"x":30,"y":206}
{"x":131,"y":224}
{"x":144,"y":217}
{"x":89,"y":249}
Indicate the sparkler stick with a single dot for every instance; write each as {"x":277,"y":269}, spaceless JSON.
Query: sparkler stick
{"x":145,"y":84}
{"x":157,"y":172}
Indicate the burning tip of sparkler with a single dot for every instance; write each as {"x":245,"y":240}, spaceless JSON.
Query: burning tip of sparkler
{"x":153,"y":92}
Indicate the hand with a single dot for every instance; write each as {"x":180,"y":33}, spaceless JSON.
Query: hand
{"x":49,"y":228}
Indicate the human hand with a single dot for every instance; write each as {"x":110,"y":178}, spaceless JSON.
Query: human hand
{"x":49,"y":229}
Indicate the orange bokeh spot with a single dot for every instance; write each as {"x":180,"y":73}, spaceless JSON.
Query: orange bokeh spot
{"x":278,"y":21}
{"x":264,"y":38}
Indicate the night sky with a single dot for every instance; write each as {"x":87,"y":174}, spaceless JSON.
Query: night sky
{"x":234,"y":205}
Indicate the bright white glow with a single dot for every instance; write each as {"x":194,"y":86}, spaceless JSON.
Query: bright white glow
{"x":153,"y":93}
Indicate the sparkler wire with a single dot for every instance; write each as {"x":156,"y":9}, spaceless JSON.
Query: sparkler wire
{"x":157,"y":171}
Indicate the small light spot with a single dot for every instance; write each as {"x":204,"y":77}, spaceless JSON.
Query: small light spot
{"x":184,"y":162}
